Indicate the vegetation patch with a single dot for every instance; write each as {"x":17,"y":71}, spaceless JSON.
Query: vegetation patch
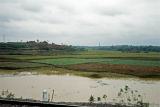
{"x":125,"y":97}
{"x":69,"y":61}
{"x":93,"y":63}
{"x":132,"y":62}
{"x":65,"y":61}
{"x":8,"y":64}
{"x":139,"y":71}
{"x":95,"y":76}
{"x":92,"y":54}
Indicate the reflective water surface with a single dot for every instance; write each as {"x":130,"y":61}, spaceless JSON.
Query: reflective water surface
{"x":74,"y":88}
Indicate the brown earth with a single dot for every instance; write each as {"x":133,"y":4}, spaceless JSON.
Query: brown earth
{"x":140,"y":71}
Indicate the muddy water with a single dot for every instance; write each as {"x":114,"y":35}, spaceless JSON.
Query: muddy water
{"x":76,"y":89}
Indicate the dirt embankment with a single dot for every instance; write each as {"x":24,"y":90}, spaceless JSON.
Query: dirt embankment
{"x":140,"y":71}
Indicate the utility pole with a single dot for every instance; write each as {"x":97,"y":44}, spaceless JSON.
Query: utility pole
{"x":4,"y":38}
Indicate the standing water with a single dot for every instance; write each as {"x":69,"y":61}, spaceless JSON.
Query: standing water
{"x":76,"y":89}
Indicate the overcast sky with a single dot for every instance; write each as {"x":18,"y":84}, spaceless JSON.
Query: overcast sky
{"x":81,"y":22}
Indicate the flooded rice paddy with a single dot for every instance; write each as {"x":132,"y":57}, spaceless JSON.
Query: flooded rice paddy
{"x":69,"y":88}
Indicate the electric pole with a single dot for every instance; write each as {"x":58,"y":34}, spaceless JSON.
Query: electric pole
{"x":4,"y":38}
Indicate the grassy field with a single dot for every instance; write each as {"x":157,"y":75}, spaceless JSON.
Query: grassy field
{"x":139,"y":71}
{"x":10,"y":64}
{"x":91,"y":54}
{"x":69,"y":61}
{"x":92,"y":63}
{"x":137,"y":68}
{"x":20,"y":65}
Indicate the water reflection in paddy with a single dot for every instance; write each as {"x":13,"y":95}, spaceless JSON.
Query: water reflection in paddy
{"x":74,"y":88}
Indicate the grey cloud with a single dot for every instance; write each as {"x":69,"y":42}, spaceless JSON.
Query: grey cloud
{"x":32,"y":8}
{"x":82,"y":22}
{"x":4,"y":19}
{"x":9,"y":1}
{"x":110,"y":12}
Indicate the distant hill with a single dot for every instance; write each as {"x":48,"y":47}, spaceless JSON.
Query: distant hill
{"x":34,"y":48}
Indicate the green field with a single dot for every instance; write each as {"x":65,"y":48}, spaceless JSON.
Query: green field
{"x":20,"y":65}
{"x":91,"y":63}
{"x":89,"y":54}
{"x":69,"y":61}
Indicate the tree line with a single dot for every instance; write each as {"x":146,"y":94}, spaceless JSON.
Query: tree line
{"x":125,"y":48}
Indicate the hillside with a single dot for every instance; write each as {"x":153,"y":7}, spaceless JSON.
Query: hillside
{"x":34,"y":48}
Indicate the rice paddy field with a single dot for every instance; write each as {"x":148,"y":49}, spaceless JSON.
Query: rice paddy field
{"x":92,"y":54}
{"x":68,"y":61}
{"x":92,"y":63}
